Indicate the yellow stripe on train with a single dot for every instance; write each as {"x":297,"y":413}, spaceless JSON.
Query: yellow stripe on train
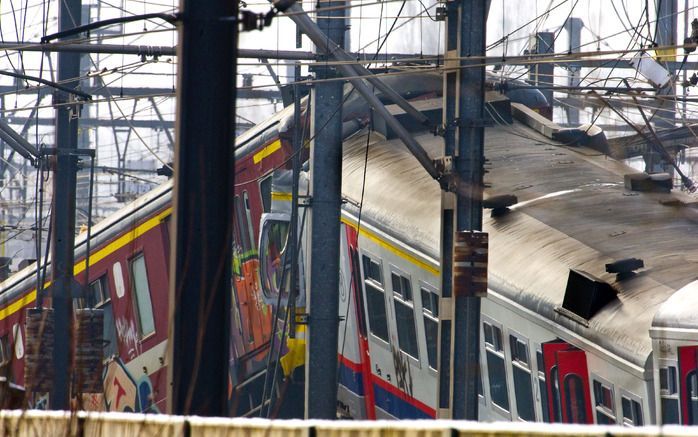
{"x":268,"y":150}
{"x":394,"y":249}
{"x":94,"y":258}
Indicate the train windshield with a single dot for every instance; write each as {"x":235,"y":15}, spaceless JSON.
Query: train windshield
{"x":274,"y":261}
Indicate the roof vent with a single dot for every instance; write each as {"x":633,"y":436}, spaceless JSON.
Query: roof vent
{"x":500,"y":204}
{"x":625,"y":268}
{"x":655,"y":183}
{"x":586,"y":294}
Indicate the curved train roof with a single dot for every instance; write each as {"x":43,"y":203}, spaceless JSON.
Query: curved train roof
{"x":573,"y":212}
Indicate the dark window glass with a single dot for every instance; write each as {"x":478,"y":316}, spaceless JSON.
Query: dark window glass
{"x":543,"y":387}
{"x":573,"y":389}
{"x":376,"y":311}
{"x":670,"y":411}
{"x":539,"y":362}
{"x":241,"y":227}
{"x":692,"y":397}
{"x":407,"y":335}
{"x":632,"y":412}
{"x":431,"y":330}
{"x":401,"y":287}
{"x":603,"y":419}
{"x":498,"y":380}
{"x":523,"y":390}
{"x":667,"y":380}
{"x":265,"y":191}
{"x":5,"y":350}
{"x":603,"y":396}
{"x":430,"y":302}
{"x":372,"y":270}
{"x":99,"y":297}
{"x":488,"y":333}
{"x":519,"y":350}
{"x":557,"y":397}
{"x":144,"y":305}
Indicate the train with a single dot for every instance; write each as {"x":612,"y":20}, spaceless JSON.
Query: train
{"x":588,"y":315}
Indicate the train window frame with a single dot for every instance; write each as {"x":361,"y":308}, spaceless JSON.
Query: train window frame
{"x":495,"y":350}
{"x":6,"y":350}
{"x":635,"y":402}
{"x":106,"y":305}
{"x":264,"y":193}
{"x":432,"y":316}
{"x":145,"y":293}
{"x":668,"y":397}
{"x":516,"y":341}
{"x":542,"y":386}
{"x":600,"y":388}
{"x":406,"y":299}
{"x":379,"y":286}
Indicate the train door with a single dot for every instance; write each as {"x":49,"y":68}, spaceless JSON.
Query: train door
{"x":568,"y":383}
{"x":688,"y":379}
{"x":386,"y":396}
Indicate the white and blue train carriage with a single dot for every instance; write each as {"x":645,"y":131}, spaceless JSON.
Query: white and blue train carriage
{"x":589,"y":316}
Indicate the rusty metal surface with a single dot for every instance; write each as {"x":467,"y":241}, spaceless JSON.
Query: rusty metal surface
{"x":470,"y":264}
{"x":38,"y":359}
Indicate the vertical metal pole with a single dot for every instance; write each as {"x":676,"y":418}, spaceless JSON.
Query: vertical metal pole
{"x":543,"y":74}
{"x":63,"y":232}
{"x":459,"y":352}
{"x":667,"y":23}
{"x":200,"y":273}
{"x":574,"y":30}
{"x":326,"y":191}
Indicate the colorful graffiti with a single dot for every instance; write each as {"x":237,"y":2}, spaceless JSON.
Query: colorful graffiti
{"x":122,"y":392}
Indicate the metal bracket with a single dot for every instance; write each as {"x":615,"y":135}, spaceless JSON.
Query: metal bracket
{"x":302,"y":319}
{"x":305,"y":201}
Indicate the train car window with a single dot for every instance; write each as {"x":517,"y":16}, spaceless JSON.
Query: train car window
{"x":556,"y":396}
{"x":430,"y":302}
{"x":5,"y":350}
{"x":404,"y":315}
{"x":144,"y":305}
{"x":604,"y":405}
{"x":99,"y":297}
{"x":248,"y":215}
{"x":632,"y":412}
{"x":375,"y":299}
{"x":542,"y":386}
{"x":692,"y":396}
{"x":573,"y":389}
{"x":265,"y":191}
{"x":494,"y":350}
{"x":523,"y":386}
{"x":430,"y":312}
{"x":241,"y":226}
{"x":274,"y":261}
{"x":667,"y":380}
{"x":668,"y":389}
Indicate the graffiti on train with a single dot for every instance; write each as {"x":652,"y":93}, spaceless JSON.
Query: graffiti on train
{"x":123,"y":392}
{"x":126,"y":330}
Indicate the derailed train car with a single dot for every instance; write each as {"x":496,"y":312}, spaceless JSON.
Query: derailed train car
{"x":589,"y":315}
{"x":563,"y":340}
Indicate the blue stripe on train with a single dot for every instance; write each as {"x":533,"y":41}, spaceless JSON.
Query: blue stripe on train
{"x":352,"y":380}
{"x":396,"y":406}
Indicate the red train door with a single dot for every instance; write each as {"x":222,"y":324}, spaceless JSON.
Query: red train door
{"x":566,"y":373}
{"x":550,"y":350}
{"x":688,"y":368}
{"x":574,"y":382}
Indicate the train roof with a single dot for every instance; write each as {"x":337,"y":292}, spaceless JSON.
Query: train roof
{"x":574,"y":212}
